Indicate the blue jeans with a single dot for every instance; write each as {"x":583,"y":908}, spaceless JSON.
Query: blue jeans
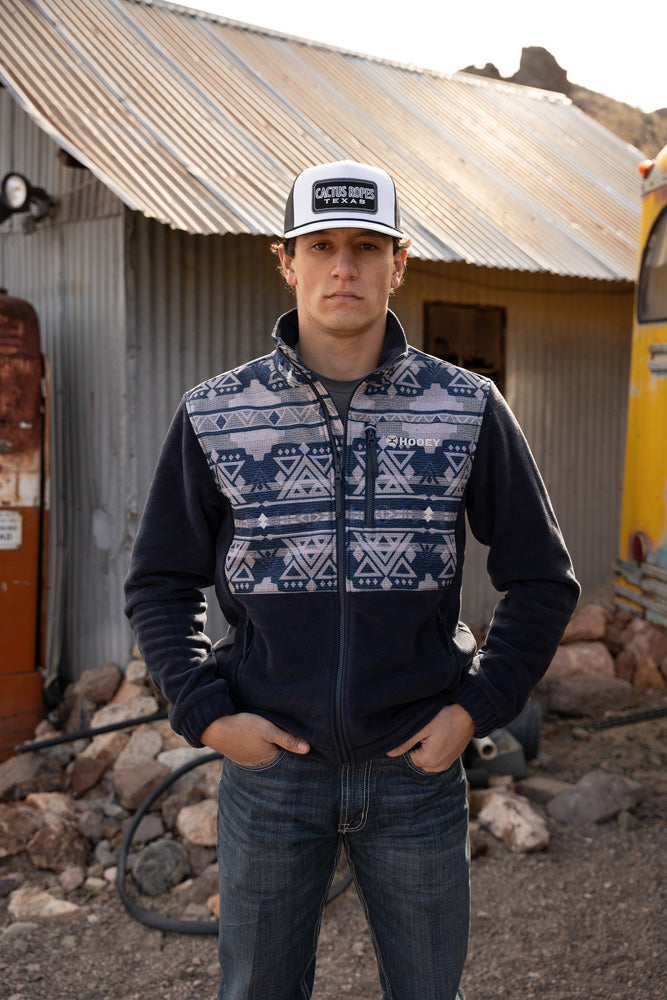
{"x":281,"y":828}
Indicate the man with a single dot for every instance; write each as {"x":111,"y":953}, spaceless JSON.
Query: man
{"x":323,"y":489}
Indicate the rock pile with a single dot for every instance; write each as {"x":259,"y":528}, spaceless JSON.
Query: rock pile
{"x":65,"y":808}
{"x":602,"y":662}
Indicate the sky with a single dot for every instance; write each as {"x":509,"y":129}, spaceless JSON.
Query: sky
{"x":620,"y":55}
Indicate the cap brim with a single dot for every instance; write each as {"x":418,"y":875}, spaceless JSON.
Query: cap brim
{"x":344,"y":223}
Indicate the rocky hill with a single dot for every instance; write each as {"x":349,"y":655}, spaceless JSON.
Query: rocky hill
{"x":538,"y":68}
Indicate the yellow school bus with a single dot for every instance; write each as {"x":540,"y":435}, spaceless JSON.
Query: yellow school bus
{"x":641,"y":570}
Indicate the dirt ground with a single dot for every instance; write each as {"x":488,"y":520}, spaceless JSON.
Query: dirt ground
{"x":585,"y":918}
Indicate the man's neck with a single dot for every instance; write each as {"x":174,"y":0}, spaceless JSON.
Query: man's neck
{"x":341,"y":358}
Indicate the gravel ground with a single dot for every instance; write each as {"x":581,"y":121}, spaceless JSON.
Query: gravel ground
{"x":584,"y":918}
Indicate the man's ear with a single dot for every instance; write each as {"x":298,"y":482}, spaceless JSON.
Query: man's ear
{"x":286,"y":264}
{"x":399,"y":268}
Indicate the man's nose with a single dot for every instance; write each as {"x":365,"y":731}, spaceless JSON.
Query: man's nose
{"x":344,"y":265}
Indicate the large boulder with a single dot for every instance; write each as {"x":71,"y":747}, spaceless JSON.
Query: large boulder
{"x":29,"y":772}
{"x":513,"y":820}
{"x":590,"y":695}
{"x":58,"y":845}
{"x":587,"y":624}
{"x":577,"y":658}
{"x":18,"y":825}
{"x":598,"y":796}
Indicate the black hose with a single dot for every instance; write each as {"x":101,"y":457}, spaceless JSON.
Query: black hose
{"x":157,"y":920}
{"x":149,"y":917}
{"x":625,"y":720}
{"x":83,"y":734}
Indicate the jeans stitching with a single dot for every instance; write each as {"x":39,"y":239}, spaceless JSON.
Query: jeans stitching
{"x":303,"y":986}
{"x":366,"y":784}
{"x":345,"y":826}
{"x":253,"y":769}
{"x":389,"y":993}
{"x":420,"y":770}
{"x":344,"y":797}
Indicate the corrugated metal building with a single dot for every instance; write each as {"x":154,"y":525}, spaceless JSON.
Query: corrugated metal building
{"x":168,"y":140}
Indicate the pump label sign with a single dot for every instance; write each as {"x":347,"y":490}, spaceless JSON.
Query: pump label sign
{"x":11,"y":529}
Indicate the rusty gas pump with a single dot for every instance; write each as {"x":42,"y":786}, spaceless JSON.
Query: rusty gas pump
{"x":23,"y":520}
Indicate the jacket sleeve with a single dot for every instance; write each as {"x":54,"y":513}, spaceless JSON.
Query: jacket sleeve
{"x":509,"y":511}
{"x":173,"y":559}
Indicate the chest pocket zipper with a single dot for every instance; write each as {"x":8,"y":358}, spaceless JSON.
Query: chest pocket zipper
{"x":445,"y":633}
{"x":248,"y":635}
{"x":371,"y":476}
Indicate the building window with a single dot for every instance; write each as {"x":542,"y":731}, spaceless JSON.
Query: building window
{"x":472,"y":337}
{"x":652,"y":293}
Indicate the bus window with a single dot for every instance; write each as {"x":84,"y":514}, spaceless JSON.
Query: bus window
{"x":652,"y":292}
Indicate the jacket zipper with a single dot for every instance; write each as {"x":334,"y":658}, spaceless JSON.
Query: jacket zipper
{"x":371,"y":476}
{"x":339,"y":510}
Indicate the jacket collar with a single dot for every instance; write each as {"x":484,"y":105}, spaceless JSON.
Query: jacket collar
{"x":286,"y":334}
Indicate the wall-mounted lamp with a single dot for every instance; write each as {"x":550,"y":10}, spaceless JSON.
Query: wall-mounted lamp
{"x":18,"y":195}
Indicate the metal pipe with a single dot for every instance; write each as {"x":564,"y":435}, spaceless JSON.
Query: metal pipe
{"x":485,"y":747}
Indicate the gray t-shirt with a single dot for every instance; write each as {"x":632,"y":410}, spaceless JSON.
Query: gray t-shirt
{"x":341,"y":391}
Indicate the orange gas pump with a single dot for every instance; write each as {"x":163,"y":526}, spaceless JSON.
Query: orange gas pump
{"x":23,"y":520}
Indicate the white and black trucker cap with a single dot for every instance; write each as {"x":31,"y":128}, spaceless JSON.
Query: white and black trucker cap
{"x":342,"y":195}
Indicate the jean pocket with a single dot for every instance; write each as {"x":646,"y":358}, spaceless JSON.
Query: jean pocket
{"x":449,"y":772}
{"x":262,"y":767}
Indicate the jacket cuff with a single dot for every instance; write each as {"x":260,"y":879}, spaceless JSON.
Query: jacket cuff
{"x":482,"y":711}
{"x":200,"y":717}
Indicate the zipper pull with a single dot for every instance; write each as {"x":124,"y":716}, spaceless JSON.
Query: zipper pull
{"x":340,"y":493}
{"x":371,"y":476}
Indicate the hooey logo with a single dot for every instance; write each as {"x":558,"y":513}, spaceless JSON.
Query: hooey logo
{"x":394,"y":441}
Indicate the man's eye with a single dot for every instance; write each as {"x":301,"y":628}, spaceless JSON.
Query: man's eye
{"x":369,"y":246}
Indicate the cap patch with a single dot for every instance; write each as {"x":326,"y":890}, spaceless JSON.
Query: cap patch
{"x":354,"y":195}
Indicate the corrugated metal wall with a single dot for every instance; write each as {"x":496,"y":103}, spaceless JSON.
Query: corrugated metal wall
{"x":567,"y":362}
{"x":197,"y":305}
{"x":72,"y":275}
{"x":70,"y":268}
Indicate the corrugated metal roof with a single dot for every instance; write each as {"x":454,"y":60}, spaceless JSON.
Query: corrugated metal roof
{"x":202,"y":122}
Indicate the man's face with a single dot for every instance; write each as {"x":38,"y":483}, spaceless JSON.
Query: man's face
{"x":343,"y":278}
